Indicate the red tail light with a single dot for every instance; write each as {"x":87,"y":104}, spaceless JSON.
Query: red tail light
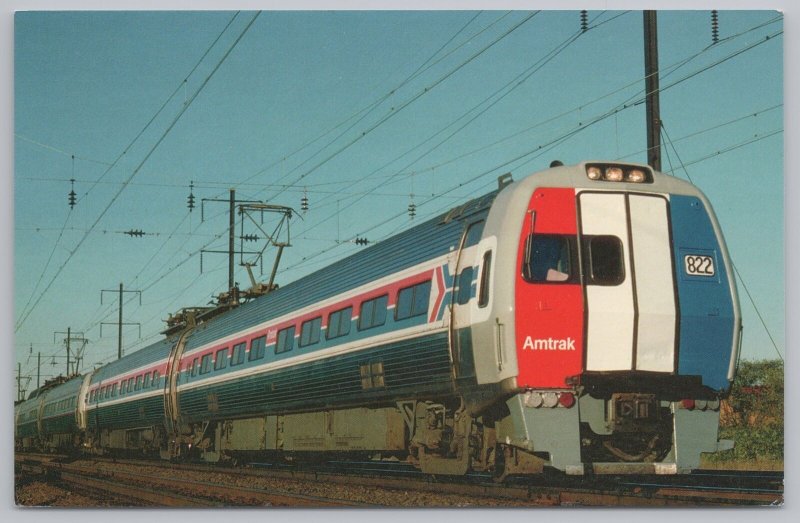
{"x":688,"y":404}
{"x":566,"y":399}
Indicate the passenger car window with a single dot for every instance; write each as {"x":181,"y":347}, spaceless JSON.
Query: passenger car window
{"x":413,"y":301}
{"x":257,"y":348}
{"x":309,"y":331}
{"x":205,"y":364}
{"x":237,"y":358}
{"x":285,"y":341}
{"x":339,"y":323}
{"x":221,"y":359}
{"x":373,"y":312}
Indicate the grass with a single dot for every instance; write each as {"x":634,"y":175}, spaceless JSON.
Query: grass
{"x":757,"y":464}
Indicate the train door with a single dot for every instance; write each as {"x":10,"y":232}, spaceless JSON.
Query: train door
{"x":548,"y":295}
{"x":467,"y":270}
{"x":631,"y":309}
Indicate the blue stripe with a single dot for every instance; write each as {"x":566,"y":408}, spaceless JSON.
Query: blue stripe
{"x":706,"y":305}
{"x":411,"y":368}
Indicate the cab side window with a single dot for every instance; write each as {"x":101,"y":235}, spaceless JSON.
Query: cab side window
{"x":606,"y":265}
{"x":549,"y":258}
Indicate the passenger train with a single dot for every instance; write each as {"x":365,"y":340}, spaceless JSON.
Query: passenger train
{"x":584,"y":319}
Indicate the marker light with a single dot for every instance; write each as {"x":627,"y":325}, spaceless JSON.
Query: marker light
{"x":687,"y":404}
{"x":550,"y":399}
{"x":614,"y":174}
{"x":533,"y":400}
{"x":566,"y":399}
{"x":636,"y":176}
{"x":700,"y":404}
{"x":594,"y":173}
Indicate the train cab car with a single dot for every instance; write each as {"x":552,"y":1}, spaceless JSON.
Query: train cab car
{"x":614,"y":323}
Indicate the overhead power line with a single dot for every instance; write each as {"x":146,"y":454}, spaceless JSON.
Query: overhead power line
{"x":396,"y":110}
{"x":25,"y":311}
{"x":138,"y":167}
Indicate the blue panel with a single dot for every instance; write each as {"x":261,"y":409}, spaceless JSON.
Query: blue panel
{"x":706,"y":305}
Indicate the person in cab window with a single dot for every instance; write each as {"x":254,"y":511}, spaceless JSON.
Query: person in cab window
{"x":550,"y":258}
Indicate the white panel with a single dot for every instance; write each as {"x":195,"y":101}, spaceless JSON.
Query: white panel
{"x":655,"y":294}
{"x":609,"y":334}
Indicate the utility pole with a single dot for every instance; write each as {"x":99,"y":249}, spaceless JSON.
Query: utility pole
{"x":71,"y":336}
{"x":231,"y":230}
{"x":120,"y":323}
{"x":651,"y":90}
{"x":19,"y":380}
{"x":38,"y":367}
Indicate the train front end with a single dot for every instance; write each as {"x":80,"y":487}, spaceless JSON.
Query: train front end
{"x":625,"y":325}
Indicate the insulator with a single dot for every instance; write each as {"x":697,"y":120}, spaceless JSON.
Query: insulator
{"x":361,"y":241}
{"x":584,"y":21}
{"x":714,"y":26}
{"x":250,"y":237}
{"x":72,"y":196}
{"x":304,"y":203}
{"x":412,"y":209}
{"x":190,"y":199}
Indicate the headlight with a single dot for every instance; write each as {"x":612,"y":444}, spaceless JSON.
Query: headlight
{"x":533,"y":400}
{"x":549,"y":399}
{"x":636,"y":176}
{"x":619,"y":173}
{"x":614,"y":174}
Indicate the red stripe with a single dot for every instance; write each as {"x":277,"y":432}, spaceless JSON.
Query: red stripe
{"x":439,"y":294}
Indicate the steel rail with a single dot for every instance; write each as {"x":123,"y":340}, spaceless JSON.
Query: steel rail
{"x":548,"y":490}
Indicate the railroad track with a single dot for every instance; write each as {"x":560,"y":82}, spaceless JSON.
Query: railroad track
{"x":144,"y":489}
{"x":718,"y":488}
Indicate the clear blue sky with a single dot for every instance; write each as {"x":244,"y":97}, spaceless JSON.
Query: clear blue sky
{"x":87,"y":83}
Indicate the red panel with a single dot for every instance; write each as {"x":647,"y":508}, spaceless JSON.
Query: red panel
{"x":549,"y":316}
